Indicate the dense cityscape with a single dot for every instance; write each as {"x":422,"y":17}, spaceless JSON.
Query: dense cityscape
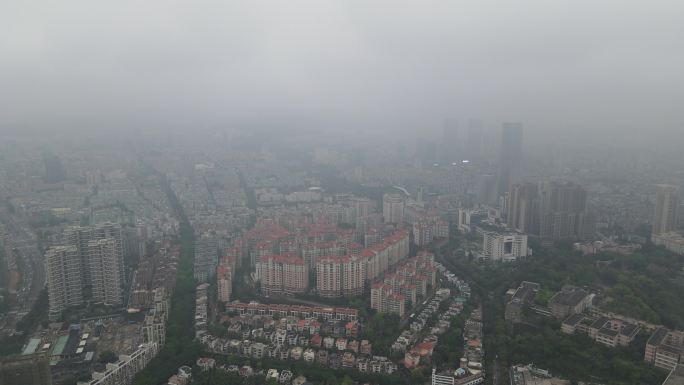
{"x":341,"y":192}
{"x":224,"y":265}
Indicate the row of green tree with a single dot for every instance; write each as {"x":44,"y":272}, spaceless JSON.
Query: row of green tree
{"x":313,"y":372}
{"x":180,"y":348}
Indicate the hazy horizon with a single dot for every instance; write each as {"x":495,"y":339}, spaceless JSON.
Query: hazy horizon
{"x":569,"y":70}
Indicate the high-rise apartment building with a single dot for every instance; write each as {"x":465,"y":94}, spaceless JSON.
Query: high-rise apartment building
{"x":353,"y":275}
{"x":487,"y":190}
{"x":105,"y":260}
{"x":563,"y":212}
{"x":665,"y":215}
{"x":510,"y":156}
{"x":80,"y":236}
{"x":89,"y":268}
{"x":224,"y":280}
{"x":282,"y":274}
{"x":64,"y":278}
{"x":385,"y":299}
{"x":329,"y":277}
{"x":523,"y":208}
{"x":393,"y":208}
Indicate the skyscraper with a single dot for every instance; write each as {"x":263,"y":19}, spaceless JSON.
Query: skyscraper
{"x":105,"y":260}
{"x":665,"y":215}
{"x":64,"y":279}
{"x":523,"y":208}
{"x":80,"y":236}
{"x":474,"y":140}
{"x":510,"y":156}
{"x":563,"y":212}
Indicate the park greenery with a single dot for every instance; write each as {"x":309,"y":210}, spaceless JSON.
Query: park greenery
{"x":643,"y":285}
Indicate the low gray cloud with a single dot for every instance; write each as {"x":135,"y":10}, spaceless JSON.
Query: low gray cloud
{"x":578,"y":68}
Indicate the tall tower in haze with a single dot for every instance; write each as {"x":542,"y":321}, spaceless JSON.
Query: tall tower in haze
{"x":510,"y":156}
{"x":449,"y":148}
{"x":474,"y":140}
{"x":665,"y":215}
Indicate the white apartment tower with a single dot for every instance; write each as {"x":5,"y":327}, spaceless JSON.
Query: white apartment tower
{"x":105,"y":265}
{"x":64,"y":279}
{"x":504,"y":247}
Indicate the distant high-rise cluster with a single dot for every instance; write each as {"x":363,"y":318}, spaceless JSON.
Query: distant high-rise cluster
{"x":553,"y":210}
{"x":510,"y":156}
{"x":88,"y":268}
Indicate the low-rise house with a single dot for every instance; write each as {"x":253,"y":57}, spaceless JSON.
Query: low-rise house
{"x":285,"y":377}
{"x":315,"y":340}
{"x":341,"y":344}
{"x":205,"y":363}
{"x":296,"y":353}
{"x":272,"y":374}
{"x":362,"y":365}
{"x":246,"y":371}
{"x":348,"y":360}
{"x":309,"y":355}
{"x":365,"y":347}
{"x":328,"y":342}
{"x":258,"y":350}
{"x":322,"y":357}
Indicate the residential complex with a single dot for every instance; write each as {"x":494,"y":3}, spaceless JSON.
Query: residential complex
{"x":89,"y":268}
{"x":400,"y":290}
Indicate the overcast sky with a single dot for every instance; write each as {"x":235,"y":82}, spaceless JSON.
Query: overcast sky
{"x":594,"y":68}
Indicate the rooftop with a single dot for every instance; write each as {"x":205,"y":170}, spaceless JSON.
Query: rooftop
{"x":569,"y":296}
{"x":676,"y":377}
